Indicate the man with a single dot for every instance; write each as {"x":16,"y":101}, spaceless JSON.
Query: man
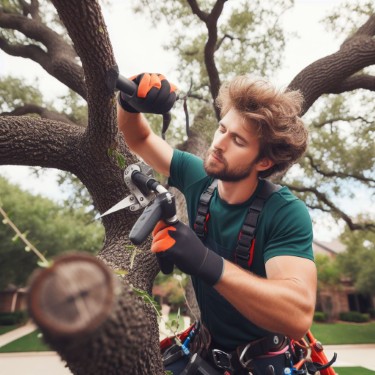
{"x":259,"y":135}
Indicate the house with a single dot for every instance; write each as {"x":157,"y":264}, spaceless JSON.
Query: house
{"x":12,"y":299}
{"x":343,"y":297}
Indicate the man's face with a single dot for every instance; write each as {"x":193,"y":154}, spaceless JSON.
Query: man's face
{"x":233,"y":153}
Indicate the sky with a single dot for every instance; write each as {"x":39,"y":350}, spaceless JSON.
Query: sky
{"x":134,"y":41}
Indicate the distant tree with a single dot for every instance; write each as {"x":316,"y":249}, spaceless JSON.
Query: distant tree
{"x":358,"y":261}
{"x":52,"y":228}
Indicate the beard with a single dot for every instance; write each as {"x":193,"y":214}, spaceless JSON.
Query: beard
{"x":221,"y":170}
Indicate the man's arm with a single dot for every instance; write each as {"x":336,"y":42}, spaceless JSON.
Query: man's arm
{"x":284,"y":302}
{"x":138,"y":135}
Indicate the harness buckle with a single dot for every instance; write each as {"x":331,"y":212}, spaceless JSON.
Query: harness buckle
{"x":222,"y":359}
{"x":245,"y":363}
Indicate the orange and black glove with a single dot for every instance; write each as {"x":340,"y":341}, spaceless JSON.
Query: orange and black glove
{"x":179,"y":245}
{"x":154,"y":94}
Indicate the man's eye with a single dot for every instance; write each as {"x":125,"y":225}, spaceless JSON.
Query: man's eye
{"x":239,"y":142}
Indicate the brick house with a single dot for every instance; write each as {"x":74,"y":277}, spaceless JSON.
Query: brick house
{"x":12,"y":300}
{"x":343,"y":297}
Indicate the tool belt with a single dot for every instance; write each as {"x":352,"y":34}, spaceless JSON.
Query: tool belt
{"x":249,"y":357}
{"x":254,"y":357}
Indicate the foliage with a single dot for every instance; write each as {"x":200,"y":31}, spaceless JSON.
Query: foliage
{"x":358,"y":262}
{"x":340,"y":158}
{"x":73,"y":106}
{"x":320,"y":317}
{"x":328,"y":272}
{"x":173,"y":287}
{"x":52,"y":228}
{"x":13,"y":318}
{"x":354,"y":316}
{"x":14,"y":92}
{"x":348,"y":16}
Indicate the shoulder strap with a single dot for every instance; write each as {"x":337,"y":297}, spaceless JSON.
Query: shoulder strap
{"x":203,"y":215}
{"x":244,"y":253}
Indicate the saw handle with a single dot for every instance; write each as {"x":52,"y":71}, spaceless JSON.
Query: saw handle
{"x":126,"y":85}
{"x":162,"y":208}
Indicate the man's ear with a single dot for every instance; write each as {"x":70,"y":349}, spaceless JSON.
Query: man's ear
{"x":264,"y":164}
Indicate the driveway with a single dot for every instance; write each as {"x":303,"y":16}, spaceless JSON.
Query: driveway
{"x":352,"y":355}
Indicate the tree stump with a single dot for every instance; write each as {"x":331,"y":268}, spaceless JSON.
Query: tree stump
{"x":72,"y":297}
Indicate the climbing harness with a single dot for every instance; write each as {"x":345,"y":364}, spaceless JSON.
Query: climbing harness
{"x":244,"y":252}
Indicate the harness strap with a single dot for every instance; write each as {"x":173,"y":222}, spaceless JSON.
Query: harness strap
{"x":200,"y":225}
{"x":244,"y":252}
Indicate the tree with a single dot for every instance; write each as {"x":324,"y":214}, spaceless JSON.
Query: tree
{"x":52,"y":228}
{"x":358,"y":261}
{"x":126,"y":341}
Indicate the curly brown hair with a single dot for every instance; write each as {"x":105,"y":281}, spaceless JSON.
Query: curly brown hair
{"x":282,"y":133}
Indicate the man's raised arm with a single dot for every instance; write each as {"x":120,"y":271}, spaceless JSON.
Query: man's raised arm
{"x":154,"y":95}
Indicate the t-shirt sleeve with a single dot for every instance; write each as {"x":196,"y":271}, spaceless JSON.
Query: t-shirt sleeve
{"x":291,"y":232}
{"x":185,"y":170}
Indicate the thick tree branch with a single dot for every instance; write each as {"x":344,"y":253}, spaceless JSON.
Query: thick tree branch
{"x":41,"y":111}
{"x":58,"y":58}
{"x":333,"y":208}
{"x":211,"y":21}
{"x":326,"y":75}
{"x":31,"y":8}
{"x":29,"y":51}
{"x":93,"y":42}
{"x":357,"y":81}
{"x":203,"y":16}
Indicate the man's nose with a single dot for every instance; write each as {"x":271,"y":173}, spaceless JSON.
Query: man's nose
{"x":220,"y":142}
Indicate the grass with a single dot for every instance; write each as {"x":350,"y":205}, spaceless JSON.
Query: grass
{"x":32,"y":342}
{"x":353,"y":371}
{"x":344,"y":333}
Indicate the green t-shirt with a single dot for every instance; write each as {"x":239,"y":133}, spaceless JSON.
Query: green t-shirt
{"x":284,"y":228}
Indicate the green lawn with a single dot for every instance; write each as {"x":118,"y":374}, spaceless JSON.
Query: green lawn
{"x":344,"y":333}
{"x":29,"y":343}
{"x":353,"y":371}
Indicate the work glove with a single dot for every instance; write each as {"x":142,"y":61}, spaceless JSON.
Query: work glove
{"x":179,"y":245}
{"x":153,"y":95}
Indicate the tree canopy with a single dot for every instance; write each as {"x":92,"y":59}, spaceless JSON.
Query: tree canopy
{"x":52,"y":228}
{"x":82,"y":57}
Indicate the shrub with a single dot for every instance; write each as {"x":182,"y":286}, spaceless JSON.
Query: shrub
{"x":372,"y":313}
{"x":8,"y":319}
{"x":354,"y":316}
{"x":320,"y":317}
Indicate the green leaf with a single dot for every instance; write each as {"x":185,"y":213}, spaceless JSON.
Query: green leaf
{"x":15,"y":238}
{"x":44,"y":264}
{"x":121,"y":272}
{"x":148,"y":299}
{"x":120,"y":160}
